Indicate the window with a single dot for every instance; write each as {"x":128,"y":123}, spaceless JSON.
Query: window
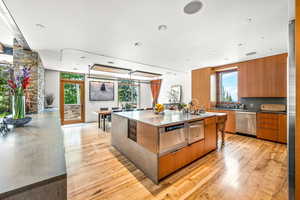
{"x":128,"y":94}
{"x":228,"y":86}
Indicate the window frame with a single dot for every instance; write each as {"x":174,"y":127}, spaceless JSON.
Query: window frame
{"x":219,"y":85}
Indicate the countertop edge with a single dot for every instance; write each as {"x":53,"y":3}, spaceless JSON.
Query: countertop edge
{"x":33,"y":185}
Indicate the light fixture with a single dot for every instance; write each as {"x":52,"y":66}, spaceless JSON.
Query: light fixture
{"x":240,"y":44}
{"x":137,"y":44}
{"x":193,"y":7}
{"x":110,"y":62}
{"x":262,"y":38}
{"x":249,"y":19}
{"x":82,"y":57}
{"x":105,"y":68}
{"x":40,"y":26}
{"x":162,"y":27}
{"x":145,"y":74}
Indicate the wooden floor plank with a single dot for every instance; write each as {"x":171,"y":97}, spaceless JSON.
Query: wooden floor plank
{"x":245,"y":169}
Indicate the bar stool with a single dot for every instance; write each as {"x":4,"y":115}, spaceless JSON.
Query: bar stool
{"x":221,"y":122}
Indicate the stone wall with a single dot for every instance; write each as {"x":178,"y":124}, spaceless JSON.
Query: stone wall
{"x":35,"y":92}
{"x":72,"y":112}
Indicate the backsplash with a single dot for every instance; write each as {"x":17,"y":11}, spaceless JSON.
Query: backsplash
{"x":254,"y":103}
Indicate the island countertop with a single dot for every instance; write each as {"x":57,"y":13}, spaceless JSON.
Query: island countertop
{"x":170,"y":117}
{"x":32,"y":155}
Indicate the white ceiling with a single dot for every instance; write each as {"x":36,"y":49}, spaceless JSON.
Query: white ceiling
{"x":6,"y":36}
{"x":111,"y":28}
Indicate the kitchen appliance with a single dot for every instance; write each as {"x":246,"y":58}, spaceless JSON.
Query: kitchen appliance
{"x":291,"y":106}
{"x":172,"y":138}
{"x":246,"y":122}
{"x":273,"y":107}
{"x":195,"y":131}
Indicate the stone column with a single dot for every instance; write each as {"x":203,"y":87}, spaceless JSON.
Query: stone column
{"x":35,"y":92}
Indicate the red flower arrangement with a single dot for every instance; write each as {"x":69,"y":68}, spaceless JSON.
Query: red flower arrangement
{"x":20,"y":83}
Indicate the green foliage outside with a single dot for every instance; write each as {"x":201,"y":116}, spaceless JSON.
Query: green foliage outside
{"x":4,"y":92}
{"x":71,"y":76}
{"x":127,"y":92}
{"x":72,"y":93}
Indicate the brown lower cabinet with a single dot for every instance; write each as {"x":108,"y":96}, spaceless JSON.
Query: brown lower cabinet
{"x":272,"y":127}
{"x":171,"y":162}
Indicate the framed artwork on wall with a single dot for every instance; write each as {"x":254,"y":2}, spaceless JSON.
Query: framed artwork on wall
{"x":175,"y":95}
{"x":101,"y":91}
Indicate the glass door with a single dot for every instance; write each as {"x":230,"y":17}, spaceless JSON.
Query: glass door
{"x":72,"y":101}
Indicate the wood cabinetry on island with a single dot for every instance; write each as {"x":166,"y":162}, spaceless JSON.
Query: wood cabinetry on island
{"x":164,"y":143}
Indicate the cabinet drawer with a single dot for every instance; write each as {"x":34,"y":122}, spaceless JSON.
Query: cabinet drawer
{"x":267,"y":116}
{"x":267,"y":134}
{"x":196,"y":150}
{"x":269,"y":123}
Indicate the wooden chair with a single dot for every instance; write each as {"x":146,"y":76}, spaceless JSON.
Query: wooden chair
{"x":221,"y":122}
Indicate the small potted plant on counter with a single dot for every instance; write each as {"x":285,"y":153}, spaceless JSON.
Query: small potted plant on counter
{"x":18,"y":84}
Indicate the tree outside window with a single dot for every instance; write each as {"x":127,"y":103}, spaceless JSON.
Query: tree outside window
{"x":128,"y":94}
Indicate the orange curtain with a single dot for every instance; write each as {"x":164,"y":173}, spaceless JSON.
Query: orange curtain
{"x":155,"y":89}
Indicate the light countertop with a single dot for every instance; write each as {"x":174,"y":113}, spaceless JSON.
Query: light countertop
{"x":168,"y":118}
{"x":32,"y":155}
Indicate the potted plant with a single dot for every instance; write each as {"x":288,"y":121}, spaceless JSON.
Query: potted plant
{"x":49,"y":98}
{"x":18,"y":84}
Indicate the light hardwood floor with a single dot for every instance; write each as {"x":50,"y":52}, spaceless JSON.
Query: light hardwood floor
{"x":245,"y":168}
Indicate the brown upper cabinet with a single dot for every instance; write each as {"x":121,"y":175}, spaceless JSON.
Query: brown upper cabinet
{"x":201,"y":86}
{"x":263,"y":77}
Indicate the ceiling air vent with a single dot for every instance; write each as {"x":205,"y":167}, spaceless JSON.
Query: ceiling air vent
{"x":250,"y":53}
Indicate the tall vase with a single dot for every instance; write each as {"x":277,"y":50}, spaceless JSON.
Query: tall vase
{"x":18,"y":106}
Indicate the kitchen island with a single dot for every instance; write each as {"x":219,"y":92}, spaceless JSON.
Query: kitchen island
{"x":161,"y":144}
{"x":33,"y":160}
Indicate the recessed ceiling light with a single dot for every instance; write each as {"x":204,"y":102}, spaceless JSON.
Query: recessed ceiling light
{"x":240,"y":44}
{"x":193,"y":7}
{"x":249,"y":20}
{"x":82,"y":57}
{"x":110,"y":62}
{"x":40,"y":26}
{"x":271,"y":49}
{"x":162,"y":27}
{"x":262,"y":37}
{"x":137,"y":44}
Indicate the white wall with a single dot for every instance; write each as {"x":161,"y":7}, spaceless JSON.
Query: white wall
{"x":146,"y":95}
{"x":92,"y":106}
{"x":52,"y":85}
{"x":168,"y":80}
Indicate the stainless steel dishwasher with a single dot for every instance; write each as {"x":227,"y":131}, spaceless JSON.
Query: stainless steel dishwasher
{"x":172,"y":138}
{"x":246,"y":122}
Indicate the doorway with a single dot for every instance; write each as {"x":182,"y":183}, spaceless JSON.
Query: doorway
{"x":72,"y":102}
